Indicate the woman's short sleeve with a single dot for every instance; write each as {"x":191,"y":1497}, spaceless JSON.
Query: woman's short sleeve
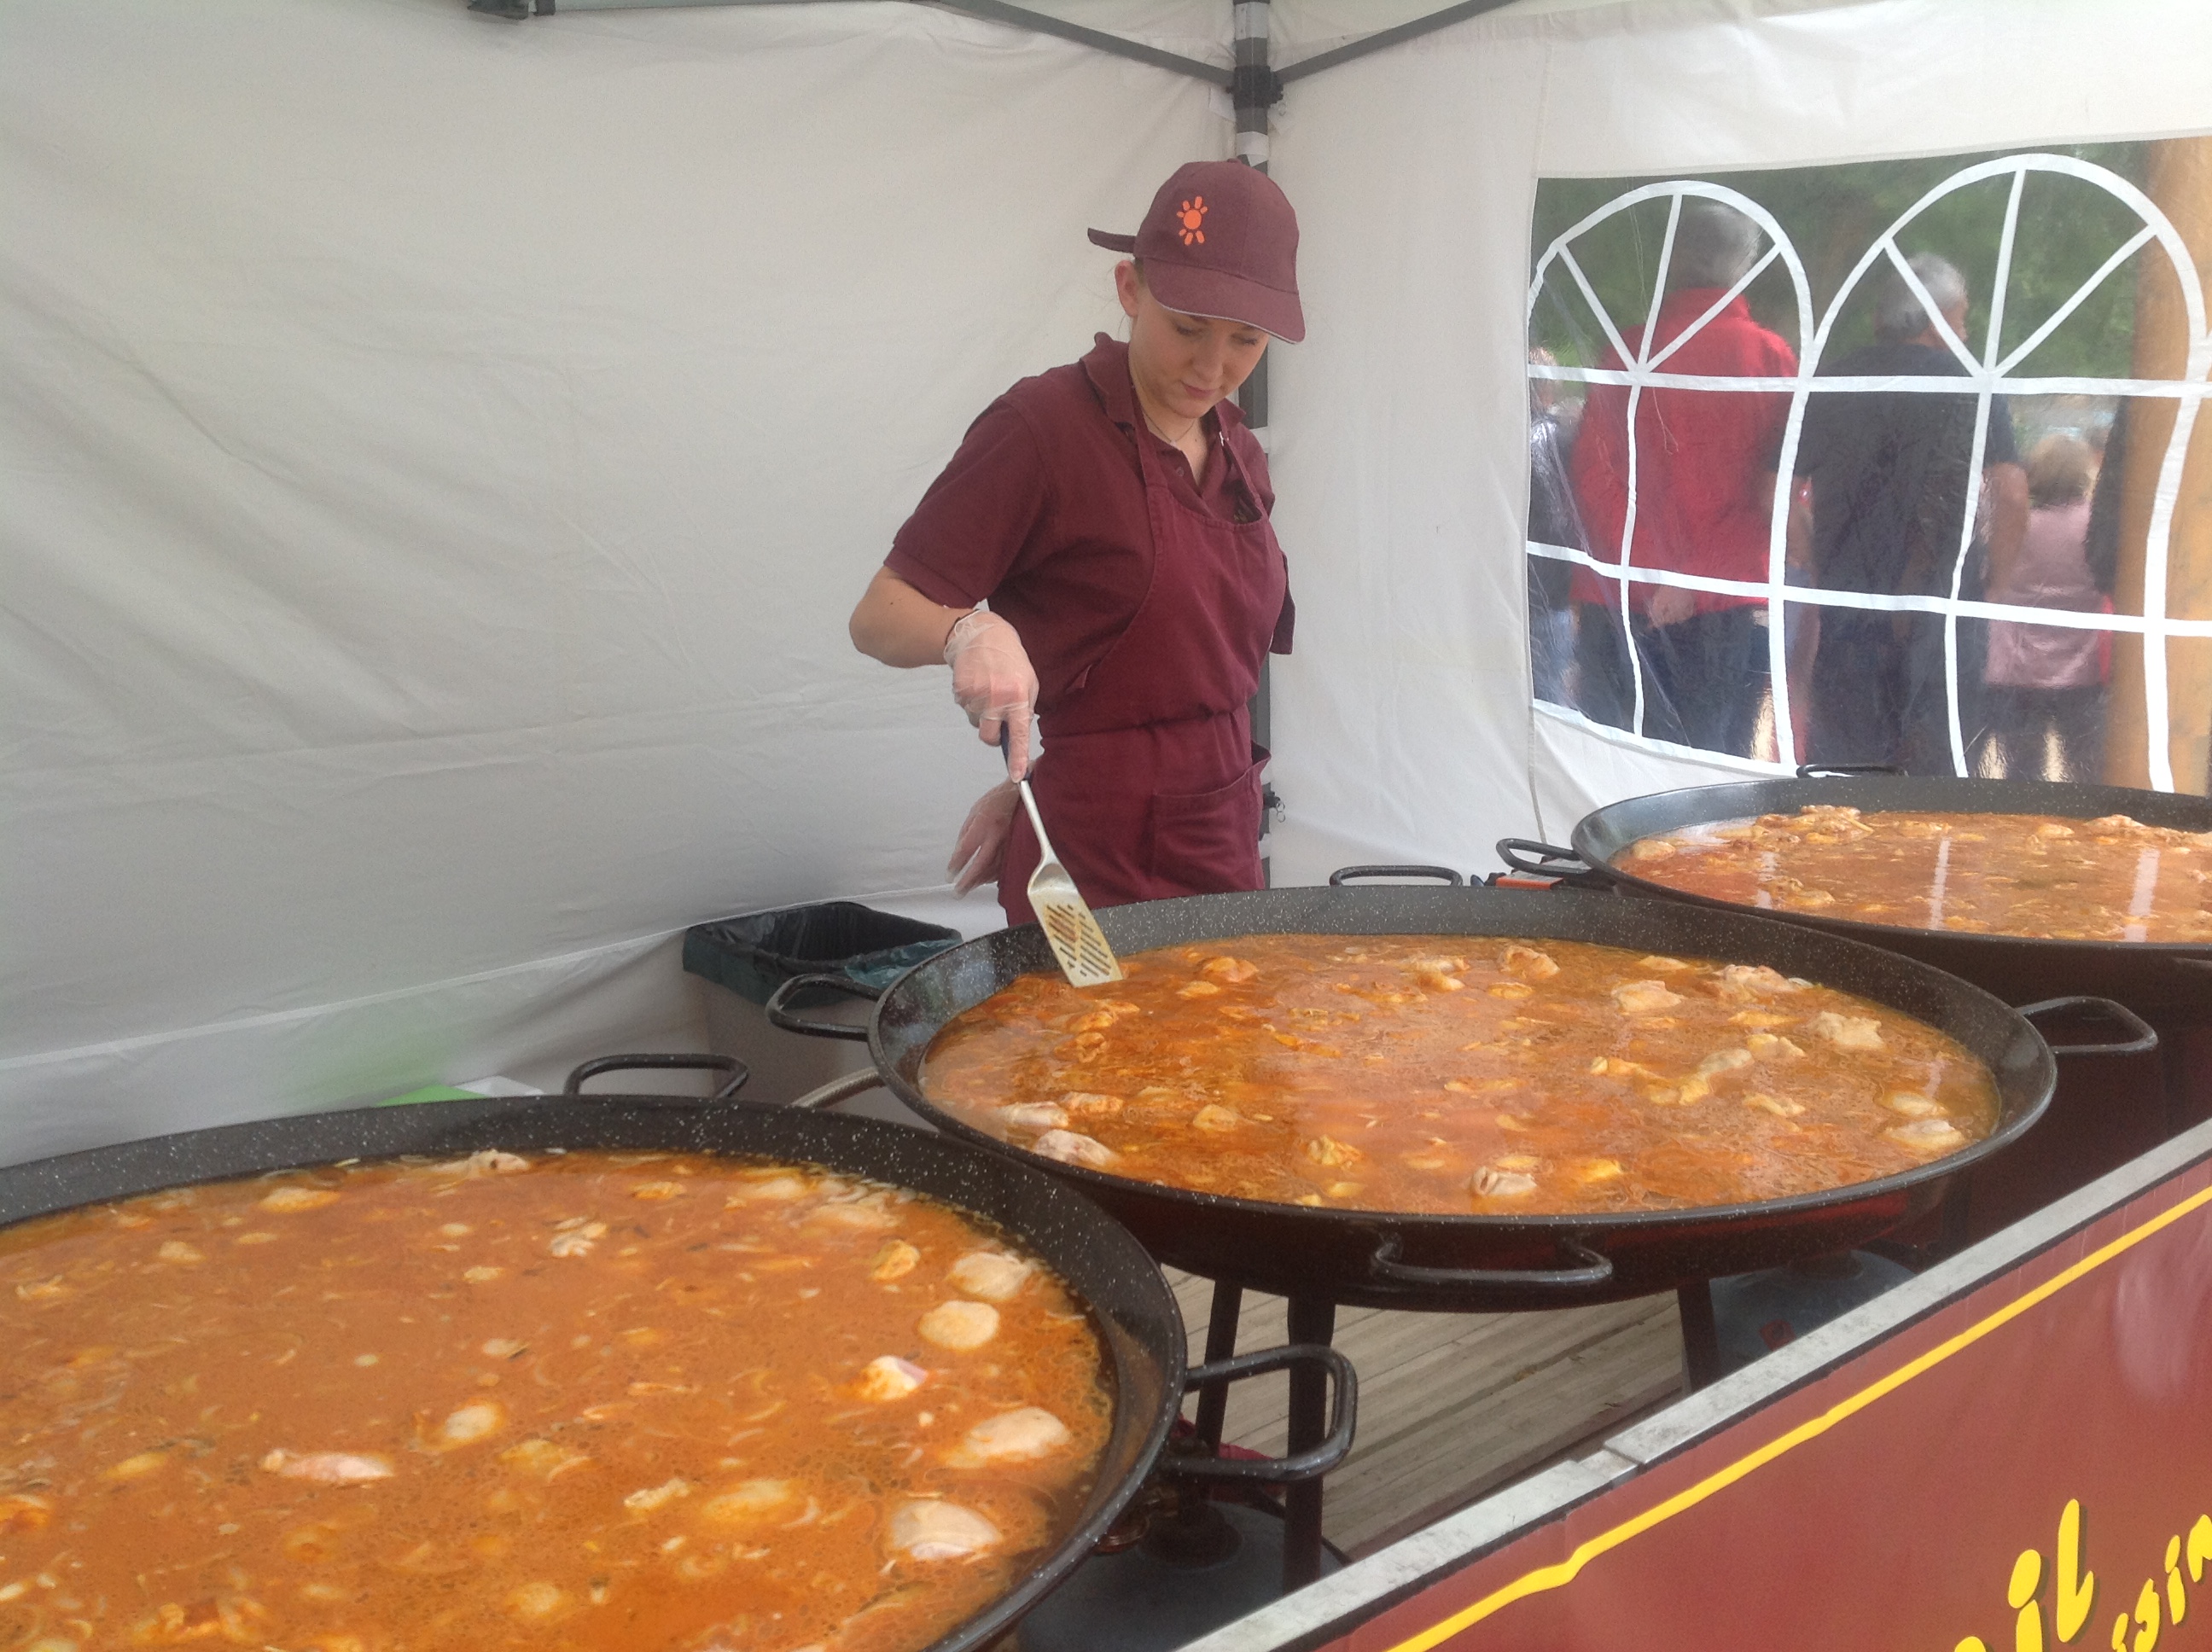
{"x":971,"y":526}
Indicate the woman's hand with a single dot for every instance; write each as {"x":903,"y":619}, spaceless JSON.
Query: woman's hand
{"x":983,"y":846}
{"x":993,"y":684}
{"x":992,"y":679}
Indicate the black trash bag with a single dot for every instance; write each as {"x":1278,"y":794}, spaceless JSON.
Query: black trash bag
{"x":753,"y":955}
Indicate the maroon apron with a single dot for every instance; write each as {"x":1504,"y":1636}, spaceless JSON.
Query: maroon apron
{"x":1150,"y":782}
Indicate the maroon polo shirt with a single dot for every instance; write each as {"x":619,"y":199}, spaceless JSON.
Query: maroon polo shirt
{"x":1042,"y":512}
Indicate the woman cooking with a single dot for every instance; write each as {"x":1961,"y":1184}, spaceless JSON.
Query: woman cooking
{"x":1113,"y":514}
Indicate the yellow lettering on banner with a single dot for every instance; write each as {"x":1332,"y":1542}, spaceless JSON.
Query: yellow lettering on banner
{"x":2027,"y":1578}
{"x":2077,"y":1590}
{"x":2148,"y":1622}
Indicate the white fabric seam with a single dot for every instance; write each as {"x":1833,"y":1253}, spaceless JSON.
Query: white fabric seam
{"x":1815,"y":596}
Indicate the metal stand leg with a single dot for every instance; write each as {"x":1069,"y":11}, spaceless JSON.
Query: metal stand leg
{"x":1310,"y":1321}
{"x":1701,"y":1347}
{"x":1220,"y":1344}
{"x":1955,"y":1218}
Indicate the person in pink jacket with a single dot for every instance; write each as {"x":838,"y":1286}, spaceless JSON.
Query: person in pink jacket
{"x":2046,"y":683}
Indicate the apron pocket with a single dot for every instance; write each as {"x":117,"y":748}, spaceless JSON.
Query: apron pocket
{"x":1206,"y":842}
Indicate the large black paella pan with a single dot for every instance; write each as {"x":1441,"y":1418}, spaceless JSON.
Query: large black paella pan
{"x":1483,"y":1262}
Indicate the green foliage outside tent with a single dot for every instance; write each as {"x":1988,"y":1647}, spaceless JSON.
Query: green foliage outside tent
{"x":2067,"y":227}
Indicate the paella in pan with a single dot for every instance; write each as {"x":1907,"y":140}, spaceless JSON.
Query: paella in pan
{"x":1447,"y":1073}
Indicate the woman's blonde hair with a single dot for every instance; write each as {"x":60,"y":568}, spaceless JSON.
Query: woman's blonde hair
{"x":2060,"y":469}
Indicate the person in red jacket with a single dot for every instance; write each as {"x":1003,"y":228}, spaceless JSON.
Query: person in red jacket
{"x":1113,"y":515}
{"x":1704,"y":504}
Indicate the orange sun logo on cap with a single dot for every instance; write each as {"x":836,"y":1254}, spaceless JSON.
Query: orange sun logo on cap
{"x":1192,"y":218}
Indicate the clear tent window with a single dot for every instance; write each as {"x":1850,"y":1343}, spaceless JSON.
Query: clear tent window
{"x":1864,"y":464}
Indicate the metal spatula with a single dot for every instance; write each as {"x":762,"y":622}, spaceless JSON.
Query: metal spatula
{"x":1076,"y":939}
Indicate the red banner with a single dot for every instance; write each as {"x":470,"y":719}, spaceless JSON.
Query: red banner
{"x":2028,"y":1467}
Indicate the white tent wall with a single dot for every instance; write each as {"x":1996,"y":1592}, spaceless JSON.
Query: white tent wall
{"x":1401,"y":721}
{"x":1403,"y":728}
{"x":437,"y":457}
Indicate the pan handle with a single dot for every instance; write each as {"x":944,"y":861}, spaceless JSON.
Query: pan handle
{"x":736,"y":1069}
{"x":1344,"y":875}
{"x":780,"y":1013}
{"x":1550,"y":861}
{"x":1596,"y":1269}
{"x":1844,"y":771}
{"x":838,"y":1090}
{"x":2144,"y":1040}
{"x":1310,"y":1464}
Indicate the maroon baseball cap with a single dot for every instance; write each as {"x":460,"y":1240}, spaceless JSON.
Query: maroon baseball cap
{"x":1221,"y":240}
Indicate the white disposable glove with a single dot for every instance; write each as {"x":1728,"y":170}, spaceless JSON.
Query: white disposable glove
{"x":993,"y":684}
{"x":983,"y":846}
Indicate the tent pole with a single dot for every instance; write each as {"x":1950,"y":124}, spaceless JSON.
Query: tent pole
{"x":1380,"y":37}
{"x":1002,"y":11}
{"x":1044,"y":23}
{"x":2179,"y":179}
{"x":997,"y":12}
{"x":1255,"y":90}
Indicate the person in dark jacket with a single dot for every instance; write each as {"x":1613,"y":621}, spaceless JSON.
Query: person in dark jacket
{"x":1896,"y":479}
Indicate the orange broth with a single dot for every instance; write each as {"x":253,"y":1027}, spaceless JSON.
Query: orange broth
{"x":1461,"y":1075}
{"x":2041,"y":876}
{"x":589,"y":1400}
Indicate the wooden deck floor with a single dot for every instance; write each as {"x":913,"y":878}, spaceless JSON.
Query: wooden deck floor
{"x":1452,"y":1405}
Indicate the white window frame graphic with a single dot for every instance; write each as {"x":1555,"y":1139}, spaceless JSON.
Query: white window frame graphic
{"x":1987,"y":375}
